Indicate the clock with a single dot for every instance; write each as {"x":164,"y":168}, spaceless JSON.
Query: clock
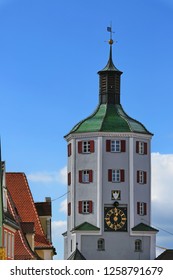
{"x":115,"y":219}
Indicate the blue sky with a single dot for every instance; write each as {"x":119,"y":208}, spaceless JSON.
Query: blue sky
{"x":50,"y":52}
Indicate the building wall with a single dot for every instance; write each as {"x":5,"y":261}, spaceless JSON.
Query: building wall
{"x":115,"y":242}
{"x":8,"y":242}
{"x":99,"y":191}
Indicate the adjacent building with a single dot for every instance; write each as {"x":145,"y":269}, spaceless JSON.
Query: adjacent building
{"x":26,"y":226}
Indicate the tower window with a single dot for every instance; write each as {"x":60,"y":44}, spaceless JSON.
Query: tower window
{"x":116,"y":175}
{"x":138,"y":245}
{"x":69,"y":151}
{"x":69,"y":208}
{"x":141,"y":148}
{"x":86,"y":147}
{"x":101,"y":244}
{"x":69,"y":179}
{"x":141,"y":208}
{"x":115,"y":146}
{"x":85,"y":206}
{"x":141,"y":177}
{"x":85,"y":176}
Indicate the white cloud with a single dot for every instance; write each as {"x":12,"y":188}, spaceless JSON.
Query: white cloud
{"x":162,"y":193}
{"x":45,"y":177}
{"x":63,"y":206}
{"x":58,"y":227}
{"x":62,"y":175}
{"x":162,"y":178}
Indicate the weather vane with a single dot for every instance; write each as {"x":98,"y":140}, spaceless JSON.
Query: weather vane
{"x":109,"y":29}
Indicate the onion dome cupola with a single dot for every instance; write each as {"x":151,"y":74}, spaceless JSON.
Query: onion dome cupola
{"x":109,"y":115}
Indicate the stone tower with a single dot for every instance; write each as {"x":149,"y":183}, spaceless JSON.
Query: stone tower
{"x":109,"y":181}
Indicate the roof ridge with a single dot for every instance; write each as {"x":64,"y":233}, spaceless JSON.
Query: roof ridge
{"x":104,"y":116}
{"x":120,"y":115}
{"x":17,"y":172}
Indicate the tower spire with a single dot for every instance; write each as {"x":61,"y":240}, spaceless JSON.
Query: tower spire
{"x":111,"y":42}
{"x":109,"y":91}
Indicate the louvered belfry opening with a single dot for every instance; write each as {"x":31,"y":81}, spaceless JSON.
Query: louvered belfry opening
{"x":109,"y":88}
{"x":109,"y":82}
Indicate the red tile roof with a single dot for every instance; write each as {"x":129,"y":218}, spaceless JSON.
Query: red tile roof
{"x":18,"y":187}
{"x":22,"y":250}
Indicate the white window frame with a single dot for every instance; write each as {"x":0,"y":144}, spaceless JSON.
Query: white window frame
{"x":116,"y":175}
{"x":141,"y":148}
{"x":141,"y":208}
{"x":141,"y":177}
{"x":12,"y":246}
{"x":85,"y":207}
{"x":9,"y":245}
{"x":85,"y":176}
{"x":138,"y":245}
{"x":5,"y":241}
{"x":115,"y":146}
{"x":86,"y":148}
{"x":5,"y":199}
{"x":100,"y":244}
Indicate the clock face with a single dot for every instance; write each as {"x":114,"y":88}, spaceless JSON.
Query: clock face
{"x":115,"y":219}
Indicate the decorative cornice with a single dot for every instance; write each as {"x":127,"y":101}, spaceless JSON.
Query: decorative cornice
{"x":107,"y":134}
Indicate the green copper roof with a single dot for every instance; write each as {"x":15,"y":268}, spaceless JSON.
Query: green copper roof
{"x":109,"y":118}
{"x":86,"y":226}
{"x":143,"y":227}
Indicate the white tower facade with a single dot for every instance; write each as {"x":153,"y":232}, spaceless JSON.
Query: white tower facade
{"x":109,"y":181}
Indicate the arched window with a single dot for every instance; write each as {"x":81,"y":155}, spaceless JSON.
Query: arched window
{"x":101,"y":244}
{"x":138,"y":245}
